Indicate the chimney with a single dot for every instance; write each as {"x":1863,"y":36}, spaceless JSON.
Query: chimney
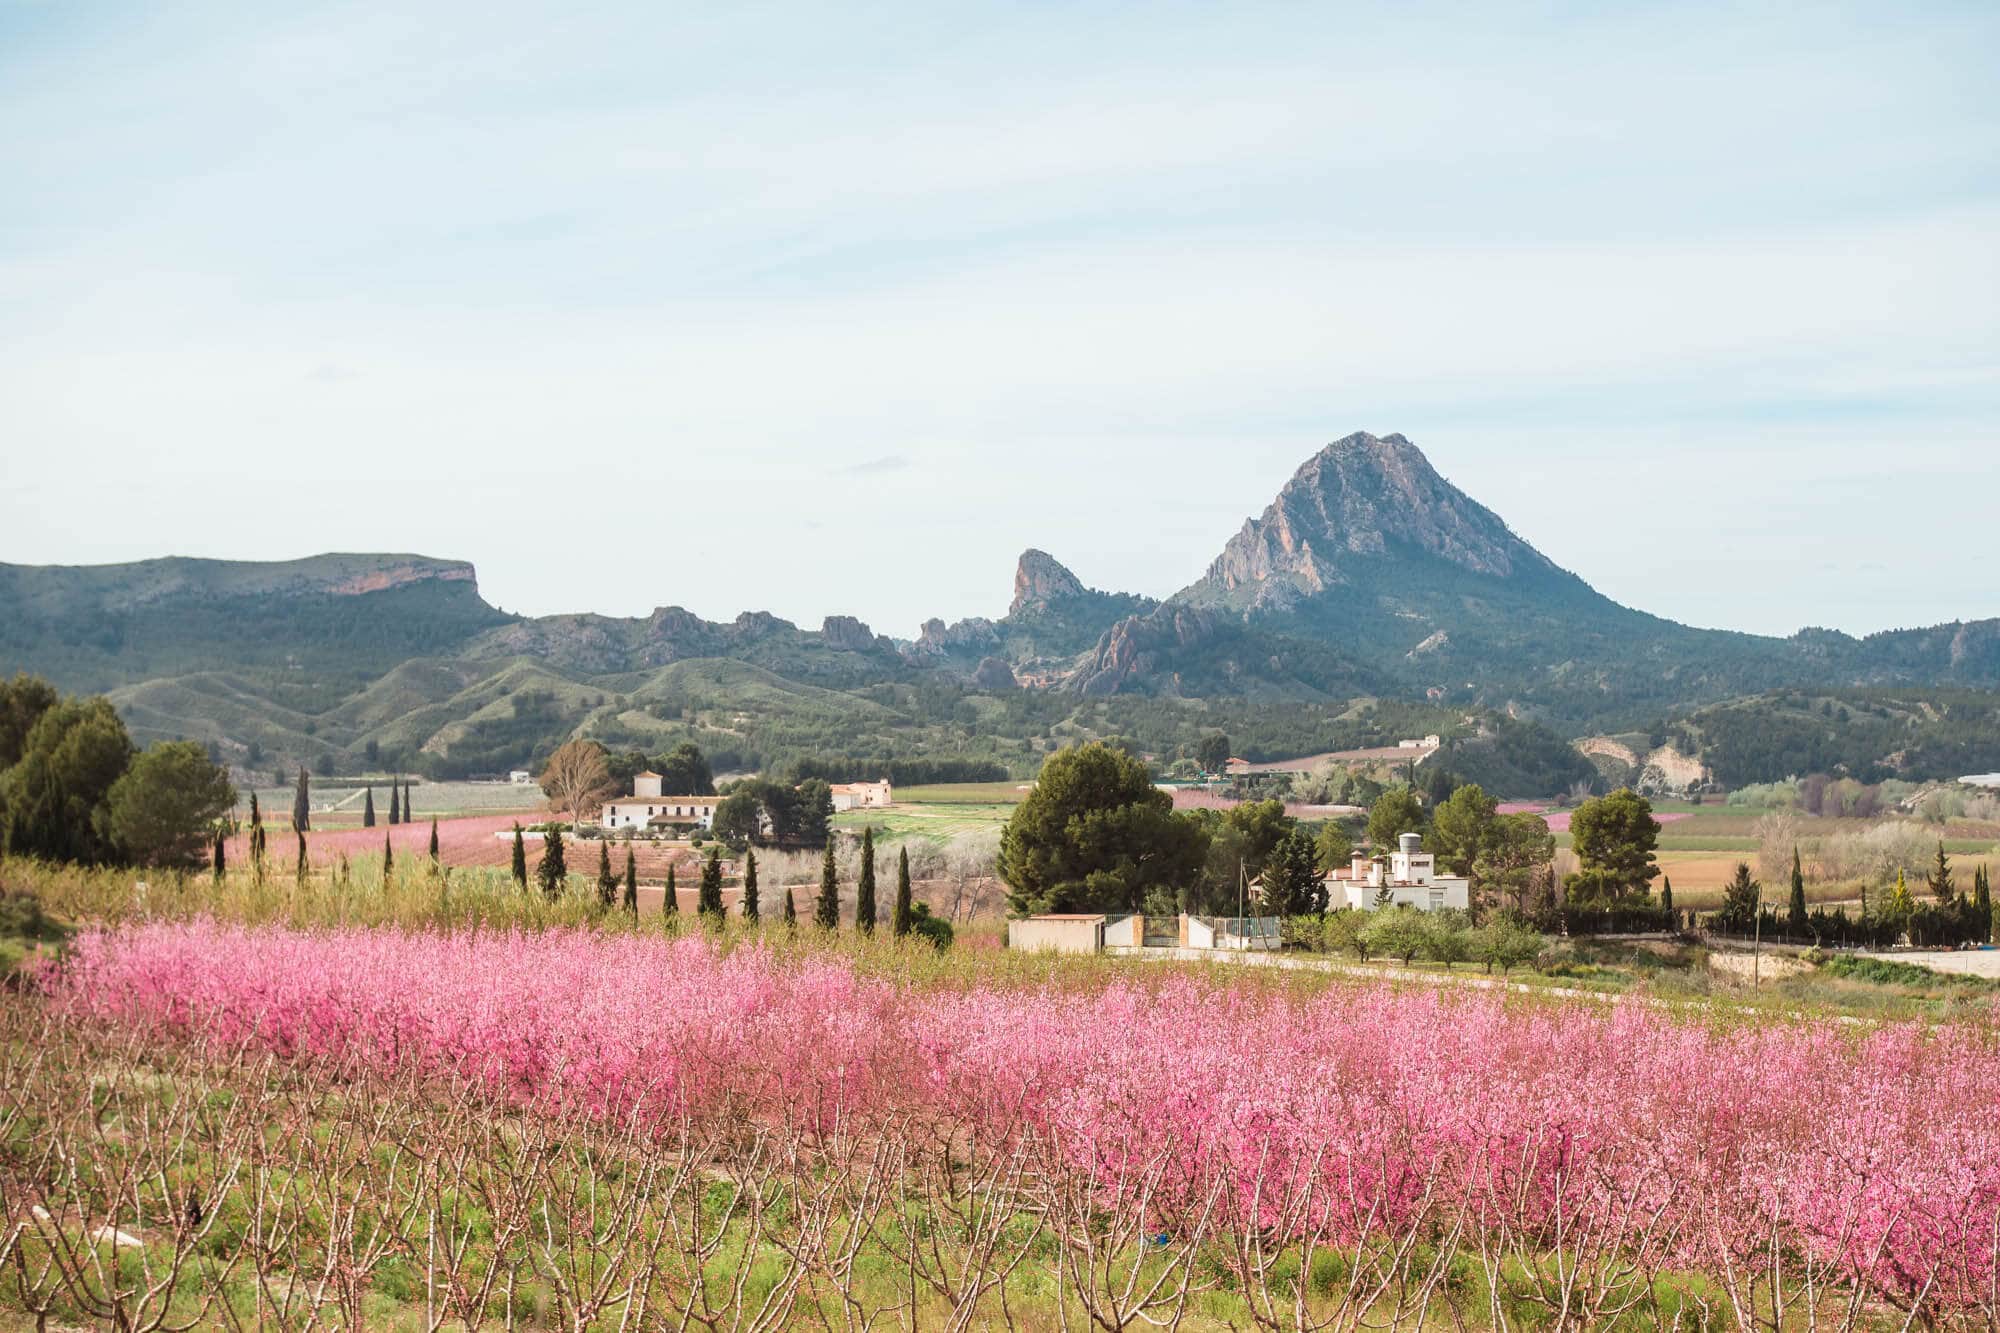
{"x":1410,"y":843}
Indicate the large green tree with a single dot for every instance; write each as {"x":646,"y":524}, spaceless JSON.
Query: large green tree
{"x":684,"y":771}
{"x":1096,"y":835}
{"x":57,"y":796}
{"x":752,"y":910}
{"x":1333,"y":847}
{"x":1516,"y":864}
{"x":1212,"y":752}
{"x":164,"y":809}
{"x":1795,"y":914}
{"x":23,"y":700}
{"x":1396,"y":811}
{"x":1614,"y":838}
{"x":901,"y":916}
{"x":1742,"y":899}
{"x":631,"y":882}
{"x":1460,"y":828}
{"x":553,"y":871}
{"x":710,"y":899}
{"x":1293,"y":885}
{"x":826,"y":910}
{"x":519,"y":862}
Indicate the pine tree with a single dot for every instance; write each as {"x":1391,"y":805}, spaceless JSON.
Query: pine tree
{"x":302,"y":803}
{"x":219,"y":856}
{"x":1796,"y":919}
{"x":552,"y":873}
{"x":826,"y":912}
{"x":1940,"y":879}
{"x":750,"y":905}
{"x":1742,"y":900}
{"x":709,"y":904}
{"x":368,"y":810}
{"x":520,"y":863}
{"x":1667,"y":899}
{"x":670,"y":906}
{"x":434,"y":841}
{"x":864,"y":890}
{"x":299,"y":867}
{"x":631,"y":884}
{"x":388,"y":860}
{"x":902,"y":915}
{"x":395,"y":803}
{"x":791,"y":910}
{"x":607,"y":883}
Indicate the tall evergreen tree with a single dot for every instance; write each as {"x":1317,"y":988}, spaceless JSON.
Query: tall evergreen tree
{"x":1940,"y":879}
{"x":257,"y":853}
{"x":219,"y":856}
{"x":388,"y":860}
{"x":791,"y":910}
{"x":1901,"y":905}
{"x":409,"y":805}
{"x":864,"y":890}
{"x":826,"y":912}
{"x":670,"y":906}
{"x":302,"y":803}
{"x":256,"y":816}
{"x":902,"y":915}
{"x":607,"y":883}
{"x":751,"y":911}
{"x":710,"y":902}
{"x":1795,"y":923}
{"x":395,"y":802}
{"x":631,"y":883}
{"x":1982,"y":905}
{"x":553,"y":872}
{"x":368,"y":810}
{"x":520,"y":861}
{"x":1667,"y":899}
{"x":300,"y":867}
{"x":434,"y":840}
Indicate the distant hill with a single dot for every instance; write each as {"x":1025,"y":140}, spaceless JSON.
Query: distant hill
{"x":1370,"y":577}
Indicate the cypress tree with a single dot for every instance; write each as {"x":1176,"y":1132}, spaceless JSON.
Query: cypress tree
{"x":395,"y":802}
{"x":900,"y":918}
{"x":257,"y":853}
{"x":1982,"y":905}
{"x":791,"y":910}
{"x":607,"y":883}
{"x":864,"y":891}
{"x":710,"y":902}
{"x":302,"y":803}
{"x":299,"y":867}
{"x":218,"y":855}
{"x":670,"y":906}
{"x":631,"y":884}
{"x":409,"y":806}
{"x":826,"y":912}
{"x":1667,"y":898}
{"x":1942,"y":888}
{"x":553,"y":870}
{"x":434,"y":840}
{"x":255,"y":817}
{"x":1796,"y":925}
{"x":388,"y":860}
{"x":750,"y":909}
{"x":520,"y":865}
{"x":368,"y":810}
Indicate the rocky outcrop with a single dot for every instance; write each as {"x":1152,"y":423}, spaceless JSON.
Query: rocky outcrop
{"x":1137,"y":648}
{"x":1040,"y":579}
{"x":1359,"y":499}
{"x":960,"y":639}
{"x":847,"y":634}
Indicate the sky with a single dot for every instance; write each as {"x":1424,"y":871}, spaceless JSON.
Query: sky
{"x":835,"y":309}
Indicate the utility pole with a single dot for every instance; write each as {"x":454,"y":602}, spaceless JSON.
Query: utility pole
{"x":1757,"y":947}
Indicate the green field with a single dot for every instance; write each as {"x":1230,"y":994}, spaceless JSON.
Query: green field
{"x":931,"y":823}
{"x":1008,"y":792}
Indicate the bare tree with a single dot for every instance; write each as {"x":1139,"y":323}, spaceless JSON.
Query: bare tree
{"x":576,"y":779}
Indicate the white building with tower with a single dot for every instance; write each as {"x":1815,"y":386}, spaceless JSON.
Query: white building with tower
{"x":1406,"y":877}
{"x":649,"y":808}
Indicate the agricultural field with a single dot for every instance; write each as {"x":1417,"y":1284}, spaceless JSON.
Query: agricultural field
{"x":579,"y":1127}
{"x":341,"y":802}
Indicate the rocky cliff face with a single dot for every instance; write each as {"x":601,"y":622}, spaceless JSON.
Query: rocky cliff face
{"x":1357,"y":500}
{"x":1140,"y":648}
{"x":1039,"y":580}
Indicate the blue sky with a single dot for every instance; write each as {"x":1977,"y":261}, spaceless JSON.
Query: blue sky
{"x":835,"y":308}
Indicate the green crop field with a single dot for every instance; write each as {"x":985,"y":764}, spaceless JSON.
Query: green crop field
{"x":1008,"y":792}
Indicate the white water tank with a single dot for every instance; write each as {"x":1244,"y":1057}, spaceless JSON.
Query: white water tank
{"x":1410,"y":843}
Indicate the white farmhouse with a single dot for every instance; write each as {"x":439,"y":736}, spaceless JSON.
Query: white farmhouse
{"x":1407,"y":877}
{"x":861,"y":795}
{"x":648,"y":808}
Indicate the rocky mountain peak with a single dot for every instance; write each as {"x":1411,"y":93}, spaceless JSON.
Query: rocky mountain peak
{"x":1040,"y":579}
{"x":1360,"y":498}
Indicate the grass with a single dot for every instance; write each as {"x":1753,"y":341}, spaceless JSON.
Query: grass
{"x":1009,"y":792}
{"x":932,"y":823}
